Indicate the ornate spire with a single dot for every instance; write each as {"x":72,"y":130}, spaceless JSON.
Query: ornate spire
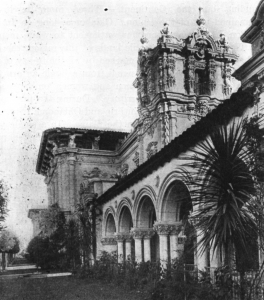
{"x":201,"y":20}
{"x":143,"y":40}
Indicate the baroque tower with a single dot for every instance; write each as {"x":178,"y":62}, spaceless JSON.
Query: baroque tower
{"x":179,"y":81}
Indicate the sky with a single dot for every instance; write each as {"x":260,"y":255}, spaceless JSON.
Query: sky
{"x":71,"y":63}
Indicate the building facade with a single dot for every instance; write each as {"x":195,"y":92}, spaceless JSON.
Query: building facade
{"x":183,"y":85}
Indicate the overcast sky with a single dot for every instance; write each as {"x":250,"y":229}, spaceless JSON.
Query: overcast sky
{"x":72,"y":63}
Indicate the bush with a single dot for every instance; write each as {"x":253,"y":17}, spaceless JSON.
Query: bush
{"x":45,"y":253}
{"x":158,"y":283}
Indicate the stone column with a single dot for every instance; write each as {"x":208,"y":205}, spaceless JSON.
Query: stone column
{"x":163,"y":231}
{"x":147,"y":248}
{"x":120,"y":247}
{"x":175,"y":250}
{"x":128,"y":248}
{"x":138,"y":235}
{"x":201,"y":257}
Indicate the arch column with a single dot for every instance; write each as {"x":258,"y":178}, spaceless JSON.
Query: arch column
{"x":128,"y":247}
{"x":163,"y":231}
{"x":148,"y":234}
{"x":176,"y":243}
{"x":201,"y":258}
{"x":120,"y":247}
{"x":138,"y":234}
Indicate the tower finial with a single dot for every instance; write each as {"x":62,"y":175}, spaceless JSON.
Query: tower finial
{"x":201,"y":20}
{"x":200,"y":12}
{"x":143,"y":40}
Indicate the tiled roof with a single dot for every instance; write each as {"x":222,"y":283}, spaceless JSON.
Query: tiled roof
{"x":235,"y":106}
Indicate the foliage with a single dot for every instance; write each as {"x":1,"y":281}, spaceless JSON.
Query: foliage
{"x":87,"y":212}
{"x":9,"y":243}
{"x":51,"y":220}
{"x":3,"y":202}
{"x":57,"y":246}
{"x":154,"y":282}
{"x":223,"y":189}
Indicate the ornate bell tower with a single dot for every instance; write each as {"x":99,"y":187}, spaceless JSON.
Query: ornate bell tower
{"x":179,"y":81}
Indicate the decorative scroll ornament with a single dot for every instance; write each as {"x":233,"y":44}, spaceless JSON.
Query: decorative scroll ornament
{"x":151,"y":149}
{"x":136,"y":159}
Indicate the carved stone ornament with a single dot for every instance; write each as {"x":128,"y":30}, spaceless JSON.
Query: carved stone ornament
{"x":96,"y":143}
{"x":148,"y":234}
{"x":133,"y":195}
{"x":136,"y":159}
{"x":162,"y":229}
{"x":166,"y":229}
{"x":120,"y":237}
{"x":139,"y":233}
{"x":124,"y":170}
{"x":166,"y":129}
{"x":151,"y":149}
{"x":262,"y":37}
{"x":108,"y":241}
{"x":95,"y":173}
{"x":157,"y":181}
{"x":55,"y":147}
{"x":71,"y":143}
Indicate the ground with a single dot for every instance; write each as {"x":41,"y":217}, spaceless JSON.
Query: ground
{"x":63,"y":288}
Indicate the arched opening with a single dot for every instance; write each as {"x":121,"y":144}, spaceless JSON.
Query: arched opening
{"x":146,"y":217}
{"x":177,"y":203}
{"x":175,"y":209}
{"x":125,"y":220}
{"x":125,"y":225}
{"x":110,"y":227}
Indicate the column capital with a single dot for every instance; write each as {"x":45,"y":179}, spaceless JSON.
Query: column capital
{"x":167,"y":228}
{"x":139,"y":233}
{"x":120,"y":237}
{"x":108,"y":241}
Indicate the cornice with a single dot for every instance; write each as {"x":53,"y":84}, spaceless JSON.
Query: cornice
{"x":246,"y":71}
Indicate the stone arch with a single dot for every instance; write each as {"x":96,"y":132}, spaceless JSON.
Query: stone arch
{"x":174,"y":199}
{"x":124,"y":216}
{"x":109,"y":222}
{"x":146,"y":213}
{"x":144,"y":217}
{"x":147,"y":191}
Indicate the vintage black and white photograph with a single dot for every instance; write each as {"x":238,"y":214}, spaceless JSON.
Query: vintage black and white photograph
{"x":132,"y":150}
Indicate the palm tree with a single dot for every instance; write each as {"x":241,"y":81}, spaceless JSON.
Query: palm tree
{"x":220,"y":176}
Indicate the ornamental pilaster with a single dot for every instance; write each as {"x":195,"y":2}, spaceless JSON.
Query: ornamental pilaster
{"x":71,"y":160}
